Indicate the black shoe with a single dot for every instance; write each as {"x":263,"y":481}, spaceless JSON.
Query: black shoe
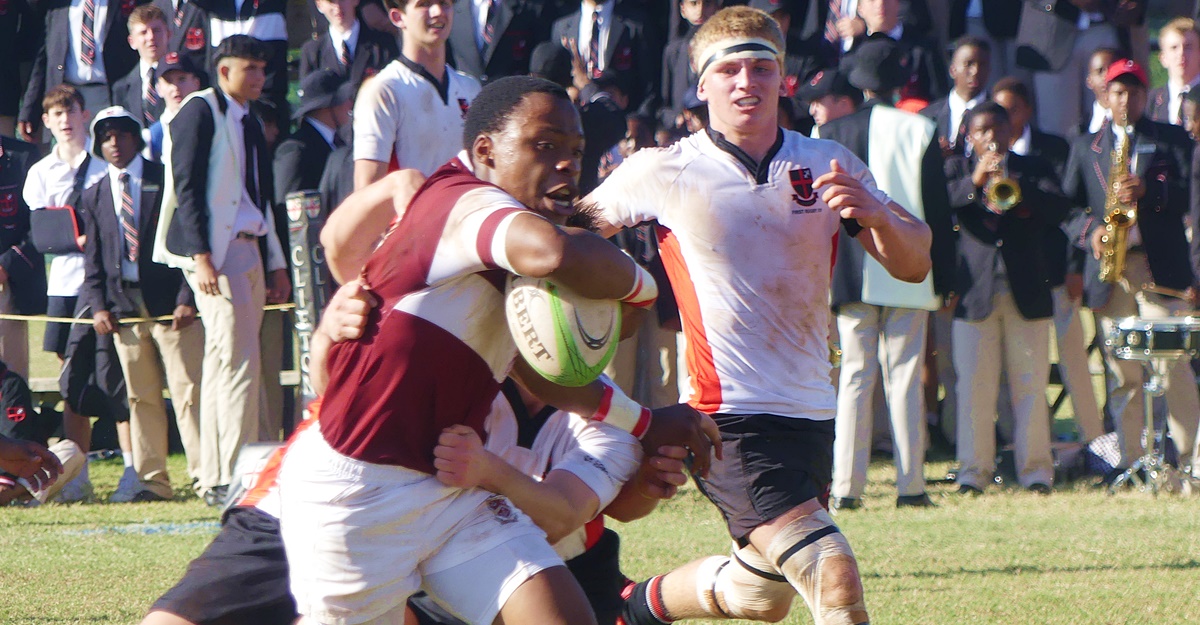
{"x":915,"y":501}
{"x":967,"y":489}
{"x":1039,"y":488}
{"x":143,"y":496}
{"x":215,"y":496}
{"x":845,"y":503}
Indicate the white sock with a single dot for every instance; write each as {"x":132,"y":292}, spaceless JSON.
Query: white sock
{"x":127,"y":456}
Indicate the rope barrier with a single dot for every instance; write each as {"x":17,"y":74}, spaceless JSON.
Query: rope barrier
{"x":123,"y":321}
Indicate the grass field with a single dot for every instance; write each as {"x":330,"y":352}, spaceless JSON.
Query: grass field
{"x":1078,"y":556}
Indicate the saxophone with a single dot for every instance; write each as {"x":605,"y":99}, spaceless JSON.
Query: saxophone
{"x":1119,"y":216}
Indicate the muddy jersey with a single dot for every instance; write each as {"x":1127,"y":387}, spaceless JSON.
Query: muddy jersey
{"x":748,"y":250}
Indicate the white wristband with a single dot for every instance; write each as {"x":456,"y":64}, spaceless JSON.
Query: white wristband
{"x":620,"y":411}
{"x":645,"y":289}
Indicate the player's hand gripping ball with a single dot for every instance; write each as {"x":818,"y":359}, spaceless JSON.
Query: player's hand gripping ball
{"x":565,"y":337}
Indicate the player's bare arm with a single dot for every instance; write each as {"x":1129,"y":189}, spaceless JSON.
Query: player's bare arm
{"x":352,"y":231}
{"x":679,"y":425}
{"x":658,"y":477}
{"x":367,"y":172}
{"x":890,"y":234}
{"x":559,"y":504}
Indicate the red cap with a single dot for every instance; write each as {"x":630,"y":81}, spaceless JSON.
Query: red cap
{"x":1126,"y":67}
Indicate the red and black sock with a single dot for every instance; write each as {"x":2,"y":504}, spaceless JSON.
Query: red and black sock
{"x":644,"y":604}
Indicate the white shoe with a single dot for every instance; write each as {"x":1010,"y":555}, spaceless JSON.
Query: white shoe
{"x":127,"y":488}
{"x":78,"y":489}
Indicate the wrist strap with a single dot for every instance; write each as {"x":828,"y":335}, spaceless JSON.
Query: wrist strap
{"x":619,"y":411}
{"x":644,"y":291}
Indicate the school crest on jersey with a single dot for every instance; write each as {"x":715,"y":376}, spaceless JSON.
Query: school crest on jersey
{"x":802,"y":186}
{"x":501,"y":510}
{"x":463,"y":105}
{"x":194,"y":39}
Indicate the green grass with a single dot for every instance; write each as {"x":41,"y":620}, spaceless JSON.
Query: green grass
{"x":1078,"y":556}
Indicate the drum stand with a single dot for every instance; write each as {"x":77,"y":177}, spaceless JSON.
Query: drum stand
{"x":1151,"y":472}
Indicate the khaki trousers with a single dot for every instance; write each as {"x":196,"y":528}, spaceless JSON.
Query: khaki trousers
{"x":1183,"y":400}
{"x":151,"y":355}
{"x":1022,"y":346}
{"x":645,"y":364}
{"x":232,"y":370}
{"x":876,"y":342}
{"x":1073,"y":365}
{"x":14,"y":335}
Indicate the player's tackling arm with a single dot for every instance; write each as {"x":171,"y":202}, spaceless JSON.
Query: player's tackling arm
{"x":352,"y":231}
{"x":559,"y":504}
{"x":367,"y":172}
{"x":890,"y":234}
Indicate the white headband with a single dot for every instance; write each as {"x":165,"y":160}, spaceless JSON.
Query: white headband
{"x":737,"y":48}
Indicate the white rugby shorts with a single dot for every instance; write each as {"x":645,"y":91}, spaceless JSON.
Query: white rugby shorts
{"x":362,"y":537}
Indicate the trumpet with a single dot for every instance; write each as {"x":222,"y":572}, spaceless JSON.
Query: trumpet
{"x":1002,"y":192}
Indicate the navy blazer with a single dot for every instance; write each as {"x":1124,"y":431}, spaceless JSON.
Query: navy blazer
{"x":191,"y":37}
{"x":520,"y":25}
{"x":1047,"y":33}
{"x":631,"y":49}
{"x":1061,"y":256}
{"x":20,"y":259}
{"x":49,"y":66}
{"x":1157,"y":105}
{"x":300,"y":161}
{"x":854,"y":132}
{"x":1164,"y":163}
{"x":127,"y":92}
{"x":163,"y":288}
{"x":1000,"y":17}
{"x":373,"y":51}
{"x":1014,"y":237}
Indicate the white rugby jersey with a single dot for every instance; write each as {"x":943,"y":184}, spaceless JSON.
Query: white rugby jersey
{"x":403,"y":113}
{"x":749,"y":256}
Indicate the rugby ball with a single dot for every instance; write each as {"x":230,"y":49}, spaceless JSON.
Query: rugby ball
{"x":566,"y":338}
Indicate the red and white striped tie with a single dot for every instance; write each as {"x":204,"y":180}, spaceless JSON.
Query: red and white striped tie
{"x":87,"y":37}
{"x":128,"y":222}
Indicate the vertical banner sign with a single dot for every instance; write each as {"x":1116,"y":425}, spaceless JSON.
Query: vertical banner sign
{"x":312,"y":285}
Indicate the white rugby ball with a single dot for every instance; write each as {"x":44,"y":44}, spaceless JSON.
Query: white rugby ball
{"x":566,"y":338}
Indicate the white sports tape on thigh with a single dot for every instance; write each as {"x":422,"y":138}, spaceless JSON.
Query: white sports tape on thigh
{"x":799,"y":550}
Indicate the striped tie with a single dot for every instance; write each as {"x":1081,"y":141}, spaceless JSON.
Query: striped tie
{"x":489,"y":24}
{"x":87,"y":37}
{"x":593,"y":59}
{"x":179,"y":14}
{"x":128,"y":223}
{"x":835,"y":16}
{"x":345,"y":56}
{"x":150,"y":100}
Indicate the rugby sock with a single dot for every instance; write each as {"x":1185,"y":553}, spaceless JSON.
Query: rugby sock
{"x":644,"y":605}
{"x":128,"y":458}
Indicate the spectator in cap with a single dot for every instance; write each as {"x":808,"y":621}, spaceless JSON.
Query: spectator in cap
{"x":1158,"y":274}
{"x":189,"y":30}
{"x":883,"y":340}
{"x":553,"y":62}
{"x":220,"y":230}
{"x":121,"y":281}
{"x":927,"y":67}
{"x":176,"y":77}
{"x":829,"y":95}
{"x":350,"y":47}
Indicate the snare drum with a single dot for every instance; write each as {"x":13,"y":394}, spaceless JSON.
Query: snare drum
{"x":1135,"y":338}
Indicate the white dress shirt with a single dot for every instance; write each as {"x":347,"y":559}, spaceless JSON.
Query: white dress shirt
{"x":585,"y":30}
{"x":249,"y":217}
{"x":350,"y":38}
{"x":75,"y":72}
{"x":1099,"y":116}
{"x":959,"y":108}
{"x":129,"y":270}
{"x":1020,"y":147}
{"x":1175,"y":99}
